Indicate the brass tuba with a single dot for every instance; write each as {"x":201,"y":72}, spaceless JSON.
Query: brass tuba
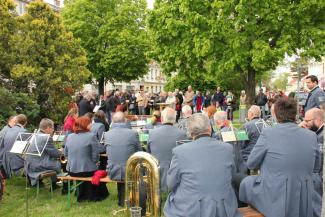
{"x":142,"y":167}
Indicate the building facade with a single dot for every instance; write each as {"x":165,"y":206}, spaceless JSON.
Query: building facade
{"x":153,"y":82}
{"x":21,"y":5}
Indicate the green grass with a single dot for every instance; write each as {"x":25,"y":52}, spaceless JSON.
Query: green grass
{"x":14,"y":202}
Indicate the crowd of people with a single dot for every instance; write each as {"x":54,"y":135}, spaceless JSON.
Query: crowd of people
{"x":206,"y":175}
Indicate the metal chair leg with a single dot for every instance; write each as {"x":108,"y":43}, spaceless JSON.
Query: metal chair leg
{"x":37,"y":189}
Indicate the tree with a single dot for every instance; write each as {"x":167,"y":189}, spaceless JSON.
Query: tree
{"x":8,"y":28}
{"x":114,"y":35}
{"x":49,"y":60}
{"x":281,"y":82}
{"x":233,"y":38}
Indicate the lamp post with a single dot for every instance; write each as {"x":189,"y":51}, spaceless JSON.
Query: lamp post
{"x":298,"y":85}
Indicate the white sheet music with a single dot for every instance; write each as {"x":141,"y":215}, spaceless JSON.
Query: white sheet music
{"x":19,"y":147}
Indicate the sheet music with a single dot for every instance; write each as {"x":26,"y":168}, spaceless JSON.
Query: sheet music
{"x":19,"y":147}
{"x":228,"y":136}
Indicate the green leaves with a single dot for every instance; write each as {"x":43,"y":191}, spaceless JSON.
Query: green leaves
{"x":113,"y":34}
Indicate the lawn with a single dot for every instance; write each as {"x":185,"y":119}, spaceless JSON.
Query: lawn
{"x":14,"y":202}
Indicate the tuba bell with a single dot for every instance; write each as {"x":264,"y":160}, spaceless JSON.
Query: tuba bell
{"x":63,"y":160}
{"x":142,"y":167}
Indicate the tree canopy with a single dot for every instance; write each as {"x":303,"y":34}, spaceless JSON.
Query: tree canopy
{"x":114,"y":35}
{"x":47,"y":62}
{"x":234,"y":39}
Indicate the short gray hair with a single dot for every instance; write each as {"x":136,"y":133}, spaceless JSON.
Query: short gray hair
{"x":168,"y":115}
{"x":46,"y":123}
{"x":220,"y":116}
{"x":198,"y":124}
{"x":118,"y":117}
{"x":256,"y":111}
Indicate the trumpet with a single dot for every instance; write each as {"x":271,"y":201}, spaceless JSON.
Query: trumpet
{"x":63,"y":160}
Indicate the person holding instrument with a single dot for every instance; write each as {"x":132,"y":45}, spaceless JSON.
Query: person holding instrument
{"x":285,"y":156}
{"x":82,"y":151}
{"x":35,"y":165}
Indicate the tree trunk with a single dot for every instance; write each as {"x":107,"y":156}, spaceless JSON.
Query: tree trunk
{"x":101,"y":82}
{"x":250,"y":86}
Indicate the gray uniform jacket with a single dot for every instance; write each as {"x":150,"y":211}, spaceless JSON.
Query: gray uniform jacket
{"x":253,"y":134}
{"x":2,"y":135}
{"x":98,"y":130}
{"x":10,"y":161}
{"x":121,"y":143}
{"x":199,"y":179}
{"x":161,"y":142}
{"x":285,"y":155}
{"x":313,"y":98}
{"x":35,"y":165}
{"x":82,"y":152}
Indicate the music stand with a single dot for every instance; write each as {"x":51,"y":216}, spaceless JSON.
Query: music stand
{"x":260,"y":125}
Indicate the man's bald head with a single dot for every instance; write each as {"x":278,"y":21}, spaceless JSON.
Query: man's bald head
{"x":315,"y":113}
{"x":118,"y":117}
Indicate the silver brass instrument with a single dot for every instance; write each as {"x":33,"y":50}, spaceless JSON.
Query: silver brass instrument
{"x":142,"y":167}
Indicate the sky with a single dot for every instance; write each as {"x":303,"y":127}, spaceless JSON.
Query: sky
{"x":150,"y":3}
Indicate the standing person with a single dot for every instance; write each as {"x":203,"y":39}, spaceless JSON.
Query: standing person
{"x":85,"y":105}
{"x":123,"y":142}
{"x":314,"y":93}
{"x":198,"y":102}
{"x":189,"y":96}
{"x":242,"y":106}
{"x":285,"y":155}
{"x":82,"y":151}
{"x":171,"y":99}
{"x":108,"y":106}
{"x":99,"y":125}
{"x":133,"y":107}
{"x":35,"y":164}
{"x":207,"y":99}
{"x":142,"y":101}
{"x":231,"y":102}
{"x":261,"y":100}
{"x":179,"y":102}
{"x":69,"y":120}
{"x":218,"y":97}
{"x":200,"y":174}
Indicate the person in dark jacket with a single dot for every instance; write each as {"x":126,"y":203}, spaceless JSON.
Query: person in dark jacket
{"x":85,"y":105}
{"x":261,"y":100}
{"x":314,"y":94}
{"x":218,"y":97}
{"x":179,"y":102}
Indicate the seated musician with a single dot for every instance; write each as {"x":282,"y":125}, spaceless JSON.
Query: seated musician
{"x":252,"y":130}
{"x":35,"y":165}
{"x":222,"y":124}
{"x":13,"y":162}
{"x":121,"y":143}
{"x":10,"y":124}
{"x":155,"y":120}
{"x":285,"y":155}
{"x":200,"y":175}
{"x":162,"y":140}
{"x":187,"y":112}
{"x":82,"y":152}
{"x":314,"y":121}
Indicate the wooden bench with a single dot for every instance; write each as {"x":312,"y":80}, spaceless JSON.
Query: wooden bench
{"x":250,"y":212}
{"x":81,"y":180}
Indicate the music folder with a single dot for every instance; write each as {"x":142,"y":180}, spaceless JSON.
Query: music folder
{"x":21,"y":143}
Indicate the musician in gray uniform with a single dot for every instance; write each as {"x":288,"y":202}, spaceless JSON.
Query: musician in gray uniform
{"x":252,"y":129}
{"x":121,"y":143}
{"x":200,"y":175}
{"x":162,"y":140}
{"x":182,"y":122}
{"x":285,"y":155}
{"x":13,"y":162}
{"x":82,"y":151}
{"x":314,"y":121}
{"x":10,"y":124}
{"x":314,"y":94}
{"x":49,"y":160}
